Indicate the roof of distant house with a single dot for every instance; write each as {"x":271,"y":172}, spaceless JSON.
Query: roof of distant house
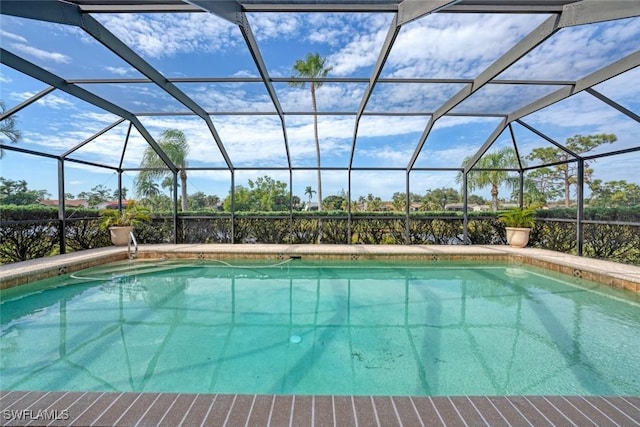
{"x":75,"y":203}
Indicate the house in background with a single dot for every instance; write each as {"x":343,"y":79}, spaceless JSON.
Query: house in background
{"x":82,"y":203}
{"x":112,"y":204}
{"x":69,"y":203}
{"x":459,"y":207}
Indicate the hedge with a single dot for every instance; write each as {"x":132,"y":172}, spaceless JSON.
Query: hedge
{"x":30,"y":232}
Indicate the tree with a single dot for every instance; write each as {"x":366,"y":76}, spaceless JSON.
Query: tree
{"x":474,"y":199}
{"x":123,"y":193}
{"x":542,"y":184}
{"x":146,"y":188}
{"x":502,"y":159}
{"x":614,"y":194}
{"x":313,"y":66}
{"x":97,"y":195}
{"x":167,"y":184}
{"x":399,"y":200}
{"x":268,"y":194}
{"x":242,"y":199}
{"x":263,"y":195}
{"x":532,"y":195}
{"x":560,"y":178}
{"x":158,"y":203}
{"x":438,"y":198}
{"x":370,"y":203}
{"x":200,"y":200}
{"x":296,"y":203}
{"x":17,"y":193}
{"x":8,"y":128}
{"x":308,"y":191}
{"x":174,"y":144}
{"x":334,"y":203}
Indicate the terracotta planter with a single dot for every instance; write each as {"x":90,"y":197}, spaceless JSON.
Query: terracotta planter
{"x":517,"y":237}
{"x":120,"y":235}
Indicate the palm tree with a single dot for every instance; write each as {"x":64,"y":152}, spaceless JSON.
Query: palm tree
{"x":167,"y":184}
{"x":501,"y":159}
{"x":8,"y":127}
{"x":309,"y":192}
{"x":313,"y":66}
{"x":174,"y":143}
{"x":147,"y":188}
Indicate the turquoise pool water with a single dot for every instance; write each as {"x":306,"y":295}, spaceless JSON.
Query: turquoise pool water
{"x":307,"y":327}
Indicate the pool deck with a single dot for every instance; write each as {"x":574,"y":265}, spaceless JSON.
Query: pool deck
{"x":171,"y":409}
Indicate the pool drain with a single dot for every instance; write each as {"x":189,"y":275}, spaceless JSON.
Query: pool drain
{"x":295,"y":339}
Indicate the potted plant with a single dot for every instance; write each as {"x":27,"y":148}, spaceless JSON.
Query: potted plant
{"x":518,"y":223}
{"x":121,"y":223}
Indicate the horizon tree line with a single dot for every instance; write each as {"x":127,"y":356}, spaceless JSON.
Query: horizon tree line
{"x":267,"y":194}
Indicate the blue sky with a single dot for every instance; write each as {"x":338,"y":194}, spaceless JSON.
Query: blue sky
{"x":202,"y":45}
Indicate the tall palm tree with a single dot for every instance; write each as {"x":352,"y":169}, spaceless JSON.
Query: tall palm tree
{"x":174,"y":143}
{"x":501,"y":159}
{"x":309,"y":192}
{"x":313,"y":66}
{"x":8,"y":127}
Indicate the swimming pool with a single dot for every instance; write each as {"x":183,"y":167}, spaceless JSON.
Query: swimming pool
{"x":305,"y":327}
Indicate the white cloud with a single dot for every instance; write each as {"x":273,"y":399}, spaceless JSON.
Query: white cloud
{"x":355,"y":38}
{"x":15,"y":37}
{"x":93,"y":117}
{"x":255,"y":141}
{"x":328,"y":36}
{"x":165,"y":35}
{"x":410,"y":97}
{"x":231,"y":97}
{"x":503,"y":98}
{"x":80,"y":126}
{"x":121,"y":71}
{"x":390,"y":126}
{"x":245,"y":73}
{"x":51,"y":100}
{"x":40,"y":54}
{"x":274,"y":25}
{"x":577,"y":51}
{"x":623,"y":88}
{"x":55,"y":102}
{"x":329,"y":97}
{"x":455,"y":45}
{"x":578,"y":111}
{"x":392,"y":156}
{"x":334,"y":135}
{"x":360,"y":52}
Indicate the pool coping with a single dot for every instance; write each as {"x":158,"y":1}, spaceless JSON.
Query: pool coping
{"x":615,"y":275}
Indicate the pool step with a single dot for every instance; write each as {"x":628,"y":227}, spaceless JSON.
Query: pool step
{"x":125,"y":270}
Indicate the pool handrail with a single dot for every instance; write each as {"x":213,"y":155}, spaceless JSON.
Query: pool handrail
{"x":132,"y":239}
